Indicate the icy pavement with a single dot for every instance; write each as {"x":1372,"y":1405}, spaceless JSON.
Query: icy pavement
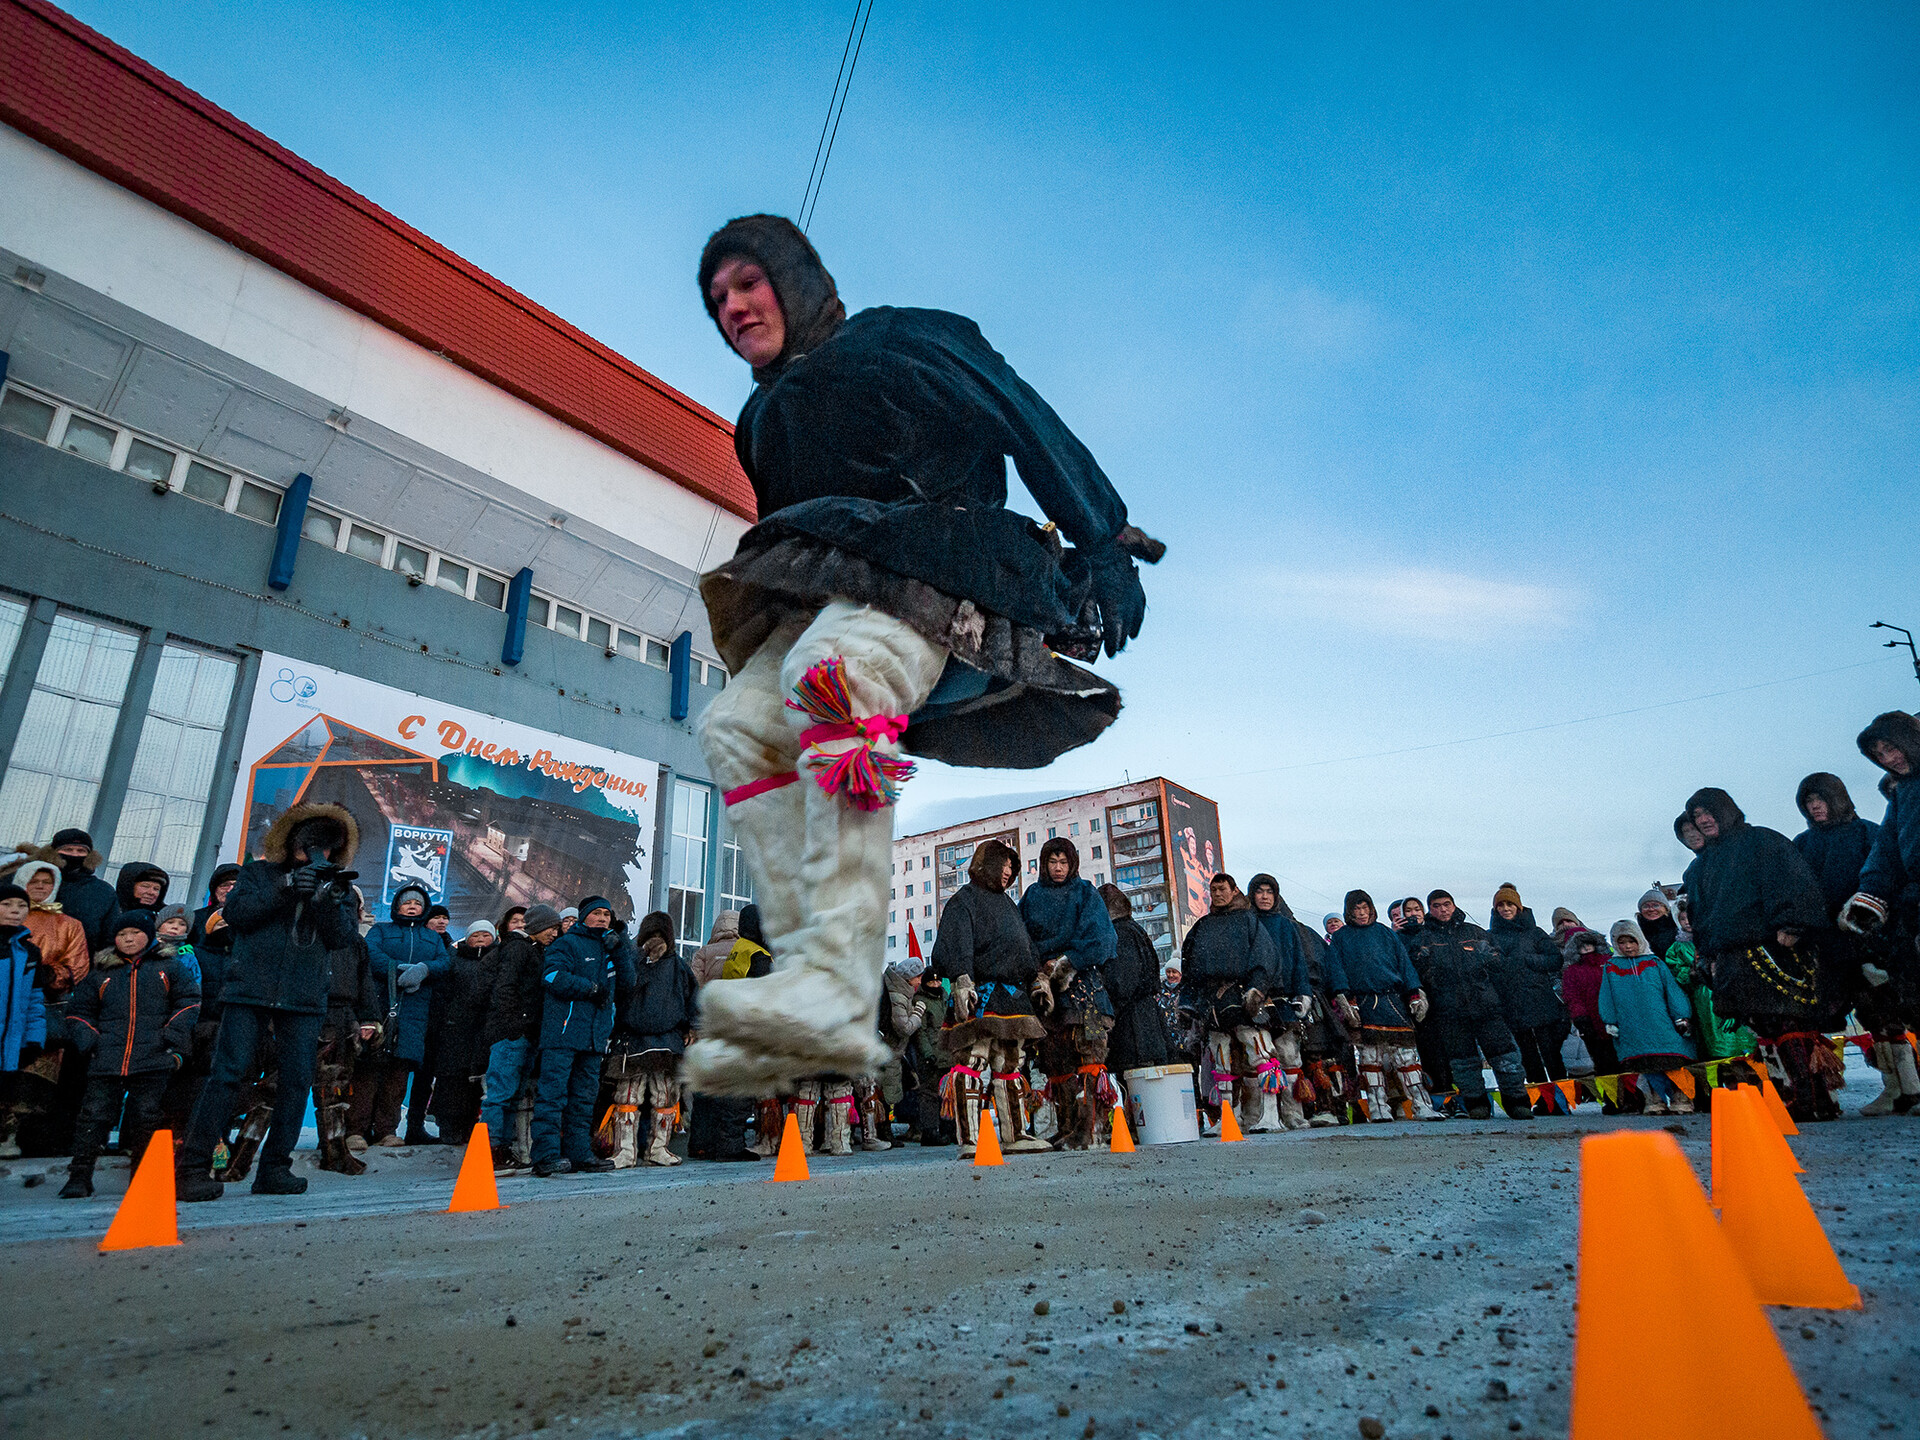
{"x":1293,"y":1285}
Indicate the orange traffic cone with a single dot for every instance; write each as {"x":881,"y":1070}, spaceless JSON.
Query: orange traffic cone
{"x":1766,"y":1218}
{"x":1649,"y":1248}
{"x":474,"y":1189}
{"x":986,"y":1148}
{"x":1229,"y":1125}
{"x":1775,"y":1106}
{"x":145,"y":1218}
{"x":1723,"y":1103}
{"x":791,"y":1163}
{"x":1122,"y":1143}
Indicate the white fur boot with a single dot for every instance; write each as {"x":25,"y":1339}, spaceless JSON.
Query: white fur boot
{"x":1883,"y":1059}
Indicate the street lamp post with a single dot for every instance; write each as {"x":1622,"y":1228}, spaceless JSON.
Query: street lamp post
{"x":1897,"y":644}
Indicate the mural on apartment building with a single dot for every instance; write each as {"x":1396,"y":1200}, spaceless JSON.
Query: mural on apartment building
{"x":498,"y":813}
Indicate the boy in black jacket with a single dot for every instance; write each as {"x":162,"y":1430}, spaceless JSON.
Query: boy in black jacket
{"x":133,"y":1015}
{"x":288,"y":912}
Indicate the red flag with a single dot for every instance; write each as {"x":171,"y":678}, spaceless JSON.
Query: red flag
{"x":913,"y":943}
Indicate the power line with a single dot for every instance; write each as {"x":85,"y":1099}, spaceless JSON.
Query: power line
{"x":1536,"y":729}
{"x":836,"y":107}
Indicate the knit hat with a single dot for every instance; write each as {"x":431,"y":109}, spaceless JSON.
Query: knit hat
{"x":1507,"y":895}
{"x":1433,"y":895}
{"x":542,"y":917}
{"x":911,"y":966}
{"x":72,"y":836}
{"x":435,"y":911}
{"x":141,"y":920}
{"x":481,"y":927}
{"x":1659,"y":897}
{"x":171,"y":912}
{"x":589,"y":905}
{"x":572,"y":912}
{"x":1331,"y":916}
{"x":12,"y":892}
{"x":1564,"y":916}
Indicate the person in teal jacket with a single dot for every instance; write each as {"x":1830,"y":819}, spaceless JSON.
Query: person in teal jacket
{"x":1717,"y":1039}
{"x":1648,"y":1015}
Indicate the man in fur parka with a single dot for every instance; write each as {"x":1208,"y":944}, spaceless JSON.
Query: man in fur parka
{"x":1229,"y":972}
{"x":886,"y":603}
{"x":1073,"y":938}
{"x":983,"y":948}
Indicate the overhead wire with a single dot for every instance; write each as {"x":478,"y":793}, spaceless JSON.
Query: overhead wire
{"x":836,"y":107}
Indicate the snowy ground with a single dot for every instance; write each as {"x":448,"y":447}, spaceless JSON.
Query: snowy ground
{"x":1291,"y":1285}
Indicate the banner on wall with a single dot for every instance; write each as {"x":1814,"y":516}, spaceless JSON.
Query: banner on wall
{"x":1193,"y":825}
{"x":484,"y":813}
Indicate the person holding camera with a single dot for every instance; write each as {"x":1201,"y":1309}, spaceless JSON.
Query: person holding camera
{"x":287,"y":911}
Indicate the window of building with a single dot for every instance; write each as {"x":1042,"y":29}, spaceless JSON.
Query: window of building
{"x":174,"y":764}
{"x":925,"y":861}
{"x":203,"y":482}
{"x":91,"y":440}
{"x":24,"y":415}
{"x":736,"y":885}
{"x":1093,"y":827}
{"x":892,"y":916}
{"x":658,"y":654}
{"x":537,"y":611}
{"x":1096,"y":852}
{"x":409,"y":559}
{"x":1053,"y":832}
{"x":687,"y":865}
{"x":490,"y":591}
{"x":600,"y":633}
{"x":53,"y":777}
{"x":1099,"y":879}
{"x":1074,"y":828}
{"x":321,"y":528}
{"x":13,"y":619}
{"x":257,"y":502}
{"x":927,"y":935}
{"x":1033,"y":865}
{"x":450,"y":577}
{"x":927,"y":912}
{"x":365,"y":544}
{"x":566,"y":621}
{"x":1030,"y":837}
{"x":149,"y":462}
{"x":892,"y":940}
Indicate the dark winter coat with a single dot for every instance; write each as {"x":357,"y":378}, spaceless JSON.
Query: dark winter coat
{"x":198,"y":932}
{"x":1455,"y":962}
{"x":982,"y":937}
{"x":1229,"y":944}
{"x":1751,"y":882}
{"x":515,"y":997}
{"x":133,"y":1017}
{"x":1369,"y":965}
{"x":1894,"y":862}
{"x":460,"y":1040}
{"x":580,"y":975}
{"x":1069,"y":919}
{"x":1139,"y":1034}
{"x":392,"y":946}
{"x":1290,"y":967}
{"x":23,"y":1005}
{"x":656,"y":1006}
{"x":278,"y":958}
{"x":1837,"y":849}
{"x":352,"y":997}
{"x":1526,"y":963}
{"x":88,"y":898}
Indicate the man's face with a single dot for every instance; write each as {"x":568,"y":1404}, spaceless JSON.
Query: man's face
{"x":546,"y":936}
{"x":596,"y":920}
{"x":1415,"y":913}
{"x":1708,"y":827}
{"x":1443,"y":910}
{"x":148,"y":892}
{"x":516,"y":920}
{"x":410,"y":905}
{"x":1265,"y":899}
{"x":567,"y":922}
{"x":439,"y":923}
{"x":221,"y":891}
{"x":1691,"y":837}
{"x":13,"y":911}
{"x":749,"y":311}
{"x":1890,"y":758}
{"x":175,"y":928}
{"x":40,"y":887}
{"x":1506,"y":909}
{"x":130,"y":942}
{"x":73,"y":855}
{"x":1394,"y":917}
{"x":1362,"y":915}
{"x":1221,"y":894}
{"x":1816,"y":810}
{"x":1058,"y":867}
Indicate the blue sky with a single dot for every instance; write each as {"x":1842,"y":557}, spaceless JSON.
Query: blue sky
{"x":1485,"y":368}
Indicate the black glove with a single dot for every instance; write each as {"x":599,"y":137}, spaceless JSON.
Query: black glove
{"x":1116,"y":590}
{"x":597,"y":994}
{"x":304,"y":881}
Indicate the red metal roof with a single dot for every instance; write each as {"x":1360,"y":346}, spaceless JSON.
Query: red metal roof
{"x":77,"y":92}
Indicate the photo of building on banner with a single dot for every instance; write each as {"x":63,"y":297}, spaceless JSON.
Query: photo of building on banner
{"x":481,"y":812}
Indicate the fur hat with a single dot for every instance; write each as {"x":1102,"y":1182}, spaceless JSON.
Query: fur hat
{"x":655,"y":922}
{"x":1719,"y":804}
{"x":542,"y":917}
{"x":809,"y":300}
{"x":73,"y":835}
{"x":1833,"y":790}
{"x":1508,"y":895}
{"x":1898,"y":729}
{"x":339,"y":841}
{"x":984,"y":869}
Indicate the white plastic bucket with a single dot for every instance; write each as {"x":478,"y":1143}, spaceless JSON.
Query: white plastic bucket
{"x":1160,"y":1104}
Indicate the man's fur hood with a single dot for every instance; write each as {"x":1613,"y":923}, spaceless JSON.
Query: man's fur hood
{"x":1833,"y":790}
{"x":1719,"y":804}
{"x":274,"y":847}
{"x":23,"y":852}
{"x":1059,"y":845}
{"x":1898,"y":729}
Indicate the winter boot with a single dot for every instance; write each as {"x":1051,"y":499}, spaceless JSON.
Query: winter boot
{"x":503,"y":1161}
{"x":1373,"y":1078}
{"x":769,"y":1117}
{"x":806,"y":1106}
{"x":522,"y":1121}
{"x":1263,"y":1109}
{"x":1903,"y":1061}
{"x":253,"y":1129}
{"x":335,"y":1156}
{"x":1020,"y":1136}
{"x":1478,"y":1107}
{"x":79,"y":1184}
{"x":626,"y":1124}
{"x":279,"y":1180}
{"x":1292,"y":1114}
{"x":871,"y":1114}
{"x":191,"y":1185}
{"x":1517,"y":1106}
{"x":839,"y":1119}
{"x":967,"y":1098}
{"x":1096,"y":1116}
{"x":659,"y":1137}
{"x":1413,"y":1080}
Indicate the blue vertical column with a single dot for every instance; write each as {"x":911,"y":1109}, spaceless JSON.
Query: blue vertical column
{"x":519,"y":594}
{"x":286,"y":545}
{"x":680,"y":667}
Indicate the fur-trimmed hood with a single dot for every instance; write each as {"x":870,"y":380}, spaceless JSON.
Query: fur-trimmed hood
{"x":1833,"y":790}
{"x":274,"y":846}
{"x":1119,"y":907}
{"x":109,"y":958}
{"x":1719,"y":804}
{"x":1060,"y":846}
{"x":23,"y":852}
{"x":1898,"y":729}
{"x":984,"y":868}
